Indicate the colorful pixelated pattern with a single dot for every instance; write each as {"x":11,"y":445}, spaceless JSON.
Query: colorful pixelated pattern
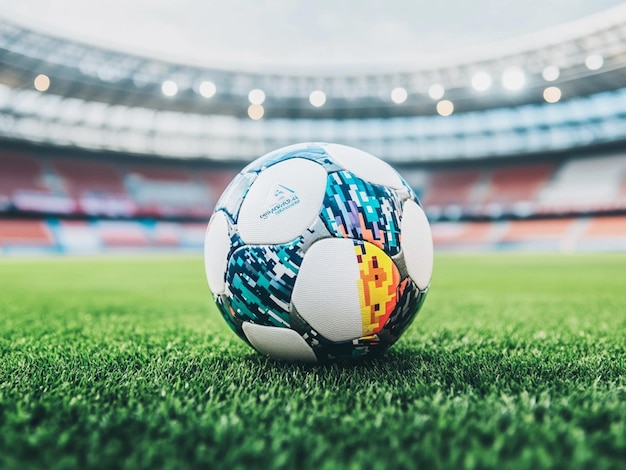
{"x":260,"y":280}
{"x":409,"y":302}
{"x":354,"y":208}
{"x":377,"y":286}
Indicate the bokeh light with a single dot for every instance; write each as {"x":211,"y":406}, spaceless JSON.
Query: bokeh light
{"x":513,"y":78}
{"x":436,"y":91}
{"x":594,"y":61}
{"x":399,"y":95}
{"x":481,"y":81}
{"x":256,"y":96}
{"x":551,"y":73}
{"x":445,"y":107}
{"x":169,"y":88}
{"x":317,"y":98}
{"x":41,"y":82}
{"x":207,"y":89}
{"x":255,"y":111}
{"x":552,"y":94}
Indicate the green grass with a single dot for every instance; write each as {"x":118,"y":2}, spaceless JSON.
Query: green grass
{"x":515,"y":361}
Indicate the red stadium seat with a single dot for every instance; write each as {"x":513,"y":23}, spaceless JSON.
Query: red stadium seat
{"x":168,"y":191}
{"x":87,"y":177}
{"x":517,"y":184}
{"x":524,"y":230}
{"x":19,"y":171}
{"x":160,"y":173}
{"x":461,"y":233}
{"x":122,"y":234}
{"x":216,"y":181}
{"x":25,"y":233}
{"x":96,"y":186}
{"x":453,"y":187}
{"x":605,"y":227}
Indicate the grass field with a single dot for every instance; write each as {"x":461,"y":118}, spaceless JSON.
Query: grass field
{"x":516,"y":361}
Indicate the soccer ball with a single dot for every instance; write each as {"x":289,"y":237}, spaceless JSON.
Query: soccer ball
{"x":318,"y":252}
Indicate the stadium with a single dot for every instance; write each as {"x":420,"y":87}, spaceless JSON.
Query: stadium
{"x":113,"y":158}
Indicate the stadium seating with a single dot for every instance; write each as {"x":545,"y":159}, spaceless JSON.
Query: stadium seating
{"x":165,"y":234}
{"x":26,"y":186}
{"x":96,"y":186}
{"x":463,"y":234}
{"x":167,"y":205}
{"x":215,"y":182}
{"x":562,"y":234}
{"x":122,"y":234}
{"x":162,"y":191}
{"x":585,"y":185}
{"x":550,"y":234}
{"x":192,"y":235}
{"x":606,"y":227}
{"x":25,"y":233}
{"x":513,"y":189}
{"x":604,"y":234}
{"x":447,"y":192}
{"x":20,"y":171}
{"x":76,"y":236}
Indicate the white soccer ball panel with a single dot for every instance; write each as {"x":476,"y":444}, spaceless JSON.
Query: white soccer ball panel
{"x":417,"y":244}
{"x":278,"y":343}
{"x":282,"y":202}
{"x":364,"y":165}
{"x":326,"y":292}
{"x":216,"y":248}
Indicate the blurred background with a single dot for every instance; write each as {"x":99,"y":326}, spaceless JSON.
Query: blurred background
{"x":122,"y":122}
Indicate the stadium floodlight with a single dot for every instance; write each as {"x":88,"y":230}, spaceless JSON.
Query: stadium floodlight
{"x":445,"y":107}
{"x":317,"y":98}
{"x":594,"y":61}
{"x":436,"y":91}
{"x":513,"y":78}
{"x":169,"y":88}
{"x":552,"y":94}
{"x":41,"y":82}
{"x":399,"y":95}
{"x":207,"y":89}
{"x":256,"y":96}
{"x":256,"y":111}
{"x":481,"y":81}
{"x":550,"y":73}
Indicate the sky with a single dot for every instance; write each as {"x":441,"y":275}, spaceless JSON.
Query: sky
{"x":265,"y":35}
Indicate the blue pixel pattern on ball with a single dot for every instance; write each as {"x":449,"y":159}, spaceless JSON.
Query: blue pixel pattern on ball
{"x":261,"y":279}
{"x":354,"y":208}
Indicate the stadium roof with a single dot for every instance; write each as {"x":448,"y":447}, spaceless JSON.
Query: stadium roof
{"x":287,"y":36}
{"x":551,"y":90}
{"x":580,"y":58}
